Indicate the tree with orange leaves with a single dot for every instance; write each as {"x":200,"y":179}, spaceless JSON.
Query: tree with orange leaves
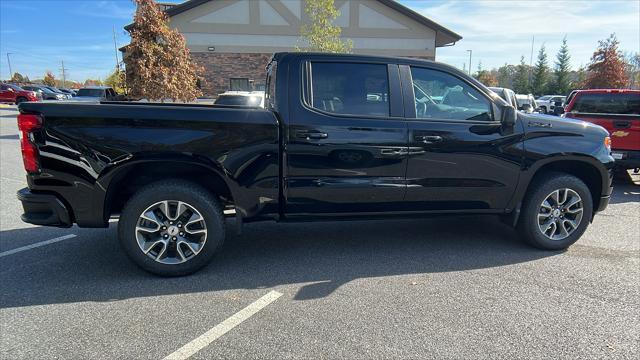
{"x":159,"y":65}
{"x":49,"y":79}
{"x":607,"y":67}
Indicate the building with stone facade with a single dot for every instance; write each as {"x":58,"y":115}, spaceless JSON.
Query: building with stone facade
{"x":234,"y":39}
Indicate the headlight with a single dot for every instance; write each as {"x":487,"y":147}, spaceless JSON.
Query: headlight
{"x":607,"y":143}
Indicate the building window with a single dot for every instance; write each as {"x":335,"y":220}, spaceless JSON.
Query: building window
{"x":239,"y":84}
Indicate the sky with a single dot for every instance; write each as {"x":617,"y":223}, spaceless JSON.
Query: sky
{"x":40,"y":34}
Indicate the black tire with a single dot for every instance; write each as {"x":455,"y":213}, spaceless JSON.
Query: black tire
{"x":544,"y":109}
{"x":196,"y":196}
{"x":21,"y":100}
{"x":538,"y":192}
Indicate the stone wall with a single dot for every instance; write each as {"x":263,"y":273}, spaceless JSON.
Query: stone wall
{"x":220,"y":67}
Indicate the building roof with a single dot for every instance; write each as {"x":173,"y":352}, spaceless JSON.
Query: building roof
{"x":444,"y":36}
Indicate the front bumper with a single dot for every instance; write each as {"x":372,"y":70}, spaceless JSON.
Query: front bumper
{"x":43,"y":209}
{"x":626,"y":159}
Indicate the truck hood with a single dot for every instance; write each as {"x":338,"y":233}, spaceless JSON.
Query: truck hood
{"x":550,"y":123}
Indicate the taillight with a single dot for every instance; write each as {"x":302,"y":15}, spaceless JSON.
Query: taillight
{"x":27,"y":123}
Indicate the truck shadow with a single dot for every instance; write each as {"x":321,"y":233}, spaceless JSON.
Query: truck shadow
{"x":626,"y":188}
{"x":319,"y":256}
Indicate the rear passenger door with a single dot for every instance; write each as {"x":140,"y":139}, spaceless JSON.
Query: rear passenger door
{"x":346,"y":147}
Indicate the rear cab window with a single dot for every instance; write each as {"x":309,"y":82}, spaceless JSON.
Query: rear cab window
{"x":607,"y":103}
{"x":91,"y":92}
{"x":349,"y":88}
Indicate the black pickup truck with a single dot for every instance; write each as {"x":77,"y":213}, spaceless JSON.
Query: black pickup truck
{"x":341,"y":136}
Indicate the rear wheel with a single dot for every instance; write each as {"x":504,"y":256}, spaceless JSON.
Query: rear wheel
{"x":171,"y":228}
{"x":556,"y":212}
{"x":21,"y":100}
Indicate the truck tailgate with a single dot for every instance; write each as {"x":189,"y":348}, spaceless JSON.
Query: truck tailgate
{"x":624,"y":129}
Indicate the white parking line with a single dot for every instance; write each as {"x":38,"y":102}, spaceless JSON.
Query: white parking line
{"x":210,"y":336}
{"x":36,"y":245}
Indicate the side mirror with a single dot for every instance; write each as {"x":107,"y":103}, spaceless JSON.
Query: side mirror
{"x":527,"y":108}
{"x":509,"y":116}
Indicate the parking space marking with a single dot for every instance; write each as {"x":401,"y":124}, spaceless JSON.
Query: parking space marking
{"x":37,"y":245}
{"x":217,"y":331}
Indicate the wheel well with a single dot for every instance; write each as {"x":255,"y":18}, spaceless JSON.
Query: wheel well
{"x":128,"y":182}
{"x":588,"y":173}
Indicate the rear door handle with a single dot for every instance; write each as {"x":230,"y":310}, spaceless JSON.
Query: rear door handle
{"x":311,"y":135}
{"x":428,"y":139}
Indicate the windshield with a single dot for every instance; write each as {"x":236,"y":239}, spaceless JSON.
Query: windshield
{"x":544,"y":97}
{"x":43,"y":89}
{"x":611,"y":103}
{"x":15,"y":87}
{"x":243,"y":100}
{"x":91,"y":92}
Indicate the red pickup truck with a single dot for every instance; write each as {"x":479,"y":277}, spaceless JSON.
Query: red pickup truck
{"x":618,"y":111}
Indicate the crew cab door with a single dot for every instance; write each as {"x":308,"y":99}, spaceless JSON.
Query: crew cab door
{"x":460,"y":156}
{"x":346,"y":147}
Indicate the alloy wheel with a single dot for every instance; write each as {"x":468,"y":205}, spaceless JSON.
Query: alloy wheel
{"x":560,"y":214}
{"x":171,"y":232}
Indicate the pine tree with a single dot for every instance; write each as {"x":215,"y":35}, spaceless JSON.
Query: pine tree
{"x":540,"y":73}
{"x":521,"y":79}
{"x":159,"y":65}
{"x":506,"y":75}
{"x":562,"y":83}
{"x":321,"y":34}
{"x":607,"y":67}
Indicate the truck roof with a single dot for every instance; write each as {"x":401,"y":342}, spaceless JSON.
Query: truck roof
{"x":604,"y":91}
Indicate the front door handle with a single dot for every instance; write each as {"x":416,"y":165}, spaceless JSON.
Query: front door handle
{"x":311,"y":135}
{"x":428,"y":139}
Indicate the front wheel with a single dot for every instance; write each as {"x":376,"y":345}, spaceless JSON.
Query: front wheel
{"x":171,"y":228}
{"x":556,"y":212}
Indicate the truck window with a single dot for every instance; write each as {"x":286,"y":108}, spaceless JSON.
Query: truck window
{"x":439,"y":95}
{"x":239,"y":84}
{"x":270,"y":85}
{"x":611,"y":103}
{"x":350,"y":89}
{"x":90,"y":92}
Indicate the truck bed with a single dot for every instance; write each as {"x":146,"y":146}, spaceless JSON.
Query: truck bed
{"x":86,"y":148}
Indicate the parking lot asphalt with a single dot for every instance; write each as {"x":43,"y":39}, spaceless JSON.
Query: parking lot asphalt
{"x":449,"y":287}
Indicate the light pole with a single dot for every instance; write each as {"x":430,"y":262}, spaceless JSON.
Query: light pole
{"x":9,"y":61}
{"x":470,"y":52}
